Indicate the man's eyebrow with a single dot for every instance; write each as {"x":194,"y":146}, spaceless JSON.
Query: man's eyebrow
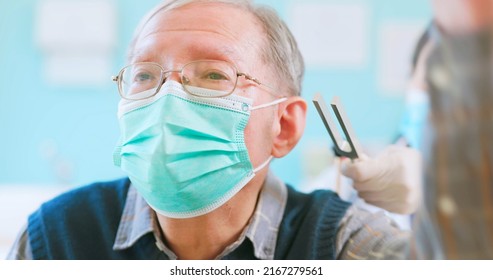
{"x":221,"y":52}
{"x":131,"y":55}
{"x":141,"y":56}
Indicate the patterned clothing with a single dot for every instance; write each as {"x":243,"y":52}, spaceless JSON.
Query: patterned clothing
{"x":357,"y":234}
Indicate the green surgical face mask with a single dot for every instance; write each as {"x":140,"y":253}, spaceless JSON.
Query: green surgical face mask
{"x":186,"y":155}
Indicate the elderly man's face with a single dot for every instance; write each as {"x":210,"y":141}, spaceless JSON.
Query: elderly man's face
{"x":217,"y":32}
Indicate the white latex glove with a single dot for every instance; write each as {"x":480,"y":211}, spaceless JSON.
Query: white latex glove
{"x":392,"y":180}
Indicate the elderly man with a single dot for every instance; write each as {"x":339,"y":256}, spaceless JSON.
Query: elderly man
{"x":210,"y":96}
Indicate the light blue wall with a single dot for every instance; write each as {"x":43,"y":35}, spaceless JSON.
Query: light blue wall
{"x":44,"y":128}
{"x":375,"y":115}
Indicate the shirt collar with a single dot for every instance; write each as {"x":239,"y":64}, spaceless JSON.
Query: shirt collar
{"x":135,"y":222}
{"x":264,"y":226}
{"x":139,"y":219}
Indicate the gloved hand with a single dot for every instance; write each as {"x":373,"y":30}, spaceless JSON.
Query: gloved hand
{"x":392,"y":180}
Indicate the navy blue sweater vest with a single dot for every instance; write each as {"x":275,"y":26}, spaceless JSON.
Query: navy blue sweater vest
{"x":82,"y":224}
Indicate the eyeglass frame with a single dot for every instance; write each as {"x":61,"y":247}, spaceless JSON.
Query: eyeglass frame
{"x":118,"y":78}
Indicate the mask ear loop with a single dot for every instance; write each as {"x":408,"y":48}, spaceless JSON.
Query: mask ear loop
{"x":260,"y":167}
{"x":280,"y":100}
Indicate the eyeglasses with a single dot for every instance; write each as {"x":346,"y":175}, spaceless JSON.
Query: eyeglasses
{"x":144,"y":79}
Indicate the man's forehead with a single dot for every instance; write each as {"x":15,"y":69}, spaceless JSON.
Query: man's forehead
{"x":227,"y":30}
{"x":224,"y":19}
{"x":149,"y":48}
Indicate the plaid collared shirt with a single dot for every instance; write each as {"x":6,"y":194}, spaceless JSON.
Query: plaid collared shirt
{"x":139,"y":219}
{"x":361,"y":235}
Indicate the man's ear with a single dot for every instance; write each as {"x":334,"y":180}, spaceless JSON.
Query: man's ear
{"x":289,"y":126}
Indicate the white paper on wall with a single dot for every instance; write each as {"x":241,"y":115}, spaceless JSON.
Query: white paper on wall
{"x":77,"y":38}
{"x":396,"y":44}
{"x":77,"y":69}
{"x":76,"y":24}
{"x":331,"y":35}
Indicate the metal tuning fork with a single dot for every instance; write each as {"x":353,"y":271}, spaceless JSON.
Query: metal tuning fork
{"x":349,"y":147}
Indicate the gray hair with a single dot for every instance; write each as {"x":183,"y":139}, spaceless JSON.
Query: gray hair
{"x":280,"y":50}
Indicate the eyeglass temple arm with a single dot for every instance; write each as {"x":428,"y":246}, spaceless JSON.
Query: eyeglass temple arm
{"x":248,"y":77}
{"x":269,"y":89}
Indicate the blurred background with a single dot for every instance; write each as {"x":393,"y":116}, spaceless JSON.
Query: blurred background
{"x":58,"y":123}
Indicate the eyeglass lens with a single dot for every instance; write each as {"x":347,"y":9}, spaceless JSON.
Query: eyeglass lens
{"x":200,"y":78}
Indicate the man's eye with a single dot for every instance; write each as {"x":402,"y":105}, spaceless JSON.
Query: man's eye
{"x":143,"y":77}
{"x":216,"y":76}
